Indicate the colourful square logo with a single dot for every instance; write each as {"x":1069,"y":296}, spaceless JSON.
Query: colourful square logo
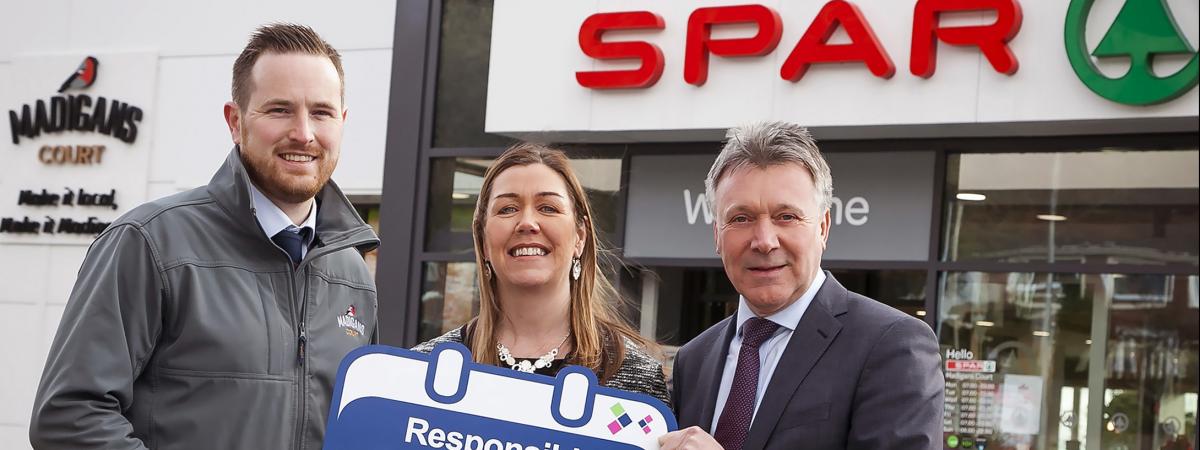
{"x":622,"y":419}
{"x":645,"y":424}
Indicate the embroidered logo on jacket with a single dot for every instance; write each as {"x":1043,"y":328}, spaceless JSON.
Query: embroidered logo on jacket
{"x":348,"y":321}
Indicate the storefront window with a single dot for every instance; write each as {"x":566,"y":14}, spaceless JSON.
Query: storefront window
{"x":689,"y":300}
{"x":370,"y":213}
{"x":1151,"y":363}
{"x":1025,"y":352}
{"x":454,"y":185}
{"x":449,"y":297}
{"x":460,"y":102}
{"x":454,"y":190}
{"x":1101,"y":207}
{"x":900,"y":289}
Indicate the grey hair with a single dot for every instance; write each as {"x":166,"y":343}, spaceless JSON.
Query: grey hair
{"x":767,"y":144}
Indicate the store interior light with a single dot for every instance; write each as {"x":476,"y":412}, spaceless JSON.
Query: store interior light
{"x":984,"y":323}
{"x":970,"y":197}
{"x":1051,"y":217}
{"x":1041,"y":333}
{"x":460,"y":196}
{"x":921,"y":313}
{"x":1088,"y":342}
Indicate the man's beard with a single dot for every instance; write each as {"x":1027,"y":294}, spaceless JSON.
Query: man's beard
{"x":289,"y":189}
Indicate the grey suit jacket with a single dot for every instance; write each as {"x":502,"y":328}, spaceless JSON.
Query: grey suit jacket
{"x":856,"y":374}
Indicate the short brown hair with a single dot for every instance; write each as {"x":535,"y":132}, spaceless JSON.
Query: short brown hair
{"x":280,"y":38}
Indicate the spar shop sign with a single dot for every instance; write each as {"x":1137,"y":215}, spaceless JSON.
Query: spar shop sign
{"x":1142,"y":31}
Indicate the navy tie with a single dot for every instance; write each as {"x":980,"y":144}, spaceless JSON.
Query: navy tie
{"x":734,"y":424}
{"x":292,"y":242}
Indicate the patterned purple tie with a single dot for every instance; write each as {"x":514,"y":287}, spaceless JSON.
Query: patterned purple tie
{"x":739,"y":406}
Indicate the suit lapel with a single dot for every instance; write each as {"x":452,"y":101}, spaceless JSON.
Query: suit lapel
{"x":815,"y":332}
{"x":713,"y":365}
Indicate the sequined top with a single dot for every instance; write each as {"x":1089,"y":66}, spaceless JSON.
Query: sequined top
{"x":639,"y":372}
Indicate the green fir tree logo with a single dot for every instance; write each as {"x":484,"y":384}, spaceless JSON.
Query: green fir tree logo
{"x":1142,"y":30}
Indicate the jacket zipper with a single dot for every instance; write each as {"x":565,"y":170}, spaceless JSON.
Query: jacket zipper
{"x":297,"y":424}
{"x":303,"y":341}
{"x":302,"y":335}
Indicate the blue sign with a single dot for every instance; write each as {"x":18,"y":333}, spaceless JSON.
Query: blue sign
{"x":391,"y":398}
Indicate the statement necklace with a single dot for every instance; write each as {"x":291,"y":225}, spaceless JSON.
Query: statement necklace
{"x":526,"y":366}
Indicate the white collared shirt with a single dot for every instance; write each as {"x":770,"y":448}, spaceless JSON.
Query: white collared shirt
{"x":770,"y":351}
{"x":273,"y":220}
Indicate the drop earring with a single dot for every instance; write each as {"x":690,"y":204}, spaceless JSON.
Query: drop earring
{"x":576,"y":269}
{"x":487,"y":270}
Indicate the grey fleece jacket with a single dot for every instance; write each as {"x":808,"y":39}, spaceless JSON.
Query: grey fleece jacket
{"x":188,"y":328}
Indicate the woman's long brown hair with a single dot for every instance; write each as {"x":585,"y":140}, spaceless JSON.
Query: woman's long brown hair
{"x":598,"y":331}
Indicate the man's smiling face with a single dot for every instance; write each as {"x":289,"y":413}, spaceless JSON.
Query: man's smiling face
{"x":290,"y":130}
{"x":770,"y":233}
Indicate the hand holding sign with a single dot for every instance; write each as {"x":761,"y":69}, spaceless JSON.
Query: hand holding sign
{"x":401,"y":399}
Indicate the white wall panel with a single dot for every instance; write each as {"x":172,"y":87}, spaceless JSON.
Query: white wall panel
{"x":192,"y":139}
{"x":368,"y":81}
{"x":184,"y":28}
{"x":5,"y":80}
{"x":21,"y":330}
{"x":23,"y":269}
{"x":63,"y":266}
{"x":15,"y":437}
{"x":34,"y":27}
{"x":51,"y":315}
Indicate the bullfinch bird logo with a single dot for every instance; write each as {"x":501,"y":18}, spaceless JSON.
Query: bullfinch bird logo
{"x":353,"y":327}
{"x":84,"y":76}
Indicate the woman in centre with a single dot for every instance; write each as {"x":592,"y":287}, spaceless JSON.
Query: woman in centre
{"x":543,"y":302}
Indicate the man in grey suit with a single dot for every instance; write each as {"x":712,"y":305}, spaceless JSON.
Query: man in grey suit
{"x":804,"y":364}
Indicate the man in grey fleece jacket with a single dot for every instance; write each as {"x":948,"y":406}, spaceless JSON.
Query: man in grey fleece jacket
{"x":217,"y":317}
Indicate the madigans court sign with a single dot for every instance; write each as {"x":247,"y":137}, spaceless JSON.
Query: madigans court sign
{"x":74,"y":156}
{"x":79,"y":113}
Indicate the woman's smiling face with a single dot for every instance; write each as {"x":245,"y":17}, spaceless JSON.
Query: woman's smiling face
{"x":531,"y":234}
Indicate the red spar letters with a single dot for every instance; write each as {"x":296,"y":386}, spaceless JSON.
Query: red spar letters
{"x":812,"y":48}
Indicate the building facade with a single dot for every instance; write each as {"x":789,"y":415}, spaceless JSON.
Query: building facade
{"x":1040,"y":216}
{"x":1010,"y":190}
